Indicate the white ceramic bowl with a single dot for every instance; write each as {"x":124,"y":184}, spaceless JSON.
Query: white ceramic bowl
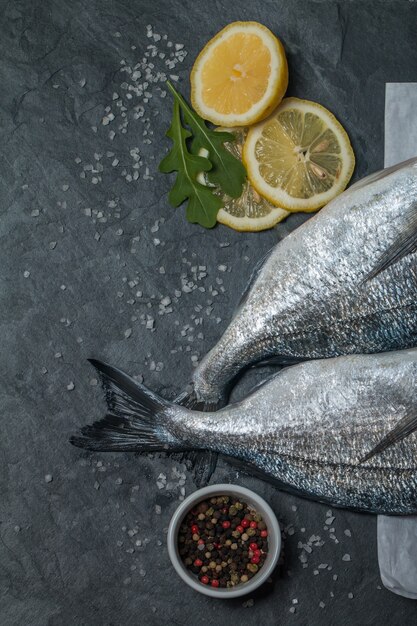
{"x":274,"y":539}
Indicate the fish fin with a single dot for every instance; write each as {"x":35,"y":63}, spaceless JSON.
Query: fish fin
{"x":255,"y":273}
{"x":203,"y":463}
{"x":405,"y":245}
{"x":405,"y":427}
{"x":277,"y":360}
{"x":190,"y":401}
{"x":135,"y":421}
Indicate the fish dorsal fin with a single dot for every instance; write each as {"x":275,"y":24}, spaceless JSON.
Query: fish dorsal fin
{"x":404,"y":428}
{"x":255,"y":273}
{"x":406,"y":244}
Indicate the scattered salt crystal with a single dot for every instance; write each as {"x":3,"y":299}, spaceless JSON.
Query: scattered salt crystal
{"x":346,"y":557}
{"x":128,"y":333}
{"x":347,"y":532}
{"x":26,"y":274}
{"x":48,"y":478}
{"x":158,"y":509}
{"x":118,"y":481}
{"x":350,"y":595}
{"x":321,"y":605}
{"x":65,"y":187}
{"x":70,"y":386}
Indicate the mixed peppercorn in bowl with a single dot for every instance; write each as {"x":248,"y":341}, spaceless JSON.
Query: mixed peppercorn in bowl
{"x":224,"y":541}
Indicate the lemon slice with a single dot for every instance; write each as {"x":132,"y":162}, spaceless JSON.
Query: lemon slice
{"x":250,"y":212}
{"x":240,"y":76}
{"x":300,"y":157}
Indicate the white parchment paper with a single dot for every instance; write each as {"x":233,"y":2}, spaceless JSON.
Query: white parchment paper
{"x":397,"y":536}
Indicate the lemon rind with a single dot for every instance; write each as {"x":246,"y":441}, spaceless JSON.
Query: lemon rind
{"x":252,"y":224}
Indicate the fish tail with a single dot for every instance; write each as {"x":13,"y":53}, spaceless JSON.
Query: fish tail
{"x":136,"y":419}
{"x":202,"y":463}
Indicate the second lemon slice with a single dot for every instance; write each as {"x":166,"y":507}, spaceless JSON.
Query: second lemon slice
{"x":250,"y":212}
{"x":300,"y":157}
{"x":240,"y":76}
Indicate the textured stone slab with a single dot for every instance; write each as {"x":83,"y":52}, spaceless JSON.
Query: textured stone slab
{"x":90,"y":252}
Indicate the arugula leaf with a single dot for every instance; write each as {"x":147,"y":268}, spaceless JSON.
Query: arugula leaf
{"x":203,"y":205}
{"x":228,"y":172}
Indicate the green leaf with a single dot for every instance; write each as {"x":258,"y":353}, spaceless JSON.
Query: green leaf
{"x":203,"y":205}
{"x":227,"y":172}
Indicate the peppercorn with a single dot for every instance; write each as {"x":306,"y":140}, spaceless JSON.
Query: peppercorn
{"x":222,"y":540}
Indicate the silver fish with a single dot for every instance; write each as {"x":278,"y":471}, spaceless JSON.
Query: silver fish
{"x":308,"y":429}
{"x":344,"y":282}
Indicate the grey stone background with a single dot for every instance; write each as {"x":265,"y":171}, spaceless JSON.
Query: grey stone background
{"x":90,"y":249}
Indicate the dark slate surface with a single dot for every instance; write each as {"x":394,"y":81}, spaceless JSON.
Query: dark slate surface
{"x":78,"y":242}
